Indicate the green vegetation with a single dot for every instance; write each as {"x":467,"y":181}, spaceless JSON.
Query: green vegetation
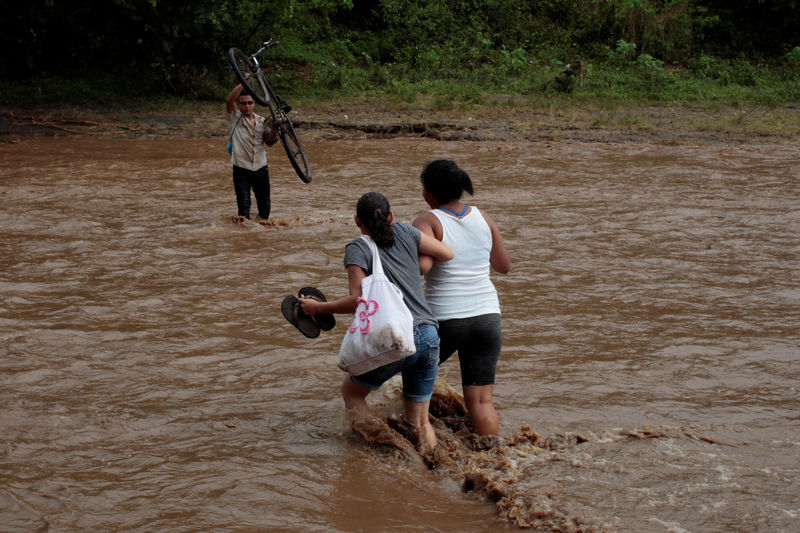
{"x":449,"y":53}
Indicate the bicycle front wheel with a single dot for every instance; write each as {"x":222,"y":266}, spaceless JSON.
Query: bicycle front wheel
{"x":249,"y":75}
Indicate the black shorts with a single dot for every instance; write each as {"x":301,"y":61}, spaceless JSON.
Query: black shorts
{"x":477,"y":340}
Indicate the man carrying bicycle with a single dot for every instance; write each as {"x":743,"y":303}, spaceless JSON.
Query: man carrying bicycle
{"x":249,"y":133}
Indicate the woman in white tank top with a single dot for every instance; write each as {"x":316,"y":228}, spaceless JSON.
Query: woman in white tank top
{"x":460,"y":292}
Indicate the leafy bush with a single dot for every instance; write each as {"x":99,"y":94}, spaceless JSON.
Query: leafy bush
{"x":625,"y":52}
{"x":792,"y":57}
{"x":743,"y":73}
{"x":651,"y":72}
{"x":710,"y":68}
{"x":792,"y":61}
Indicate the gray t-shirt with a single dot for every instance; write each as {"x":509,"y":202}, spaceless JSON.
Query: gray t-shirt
{"x":400,"y":264}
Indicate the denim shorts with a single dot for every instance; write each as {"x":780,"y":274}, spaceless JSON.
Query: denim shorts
{"x":419,"y":369}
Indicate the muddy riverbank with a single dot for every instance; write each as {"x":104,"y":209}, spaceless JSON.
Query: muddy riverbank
{"x":668,"y":125}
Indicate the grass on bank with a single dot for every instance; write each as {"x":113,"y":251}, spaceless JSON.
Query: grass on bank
{"x":618,"y":75}
{"x":623,"y":91}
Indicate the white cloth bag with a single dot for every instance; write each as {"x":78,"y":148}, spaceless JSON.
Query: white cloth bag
{"x":382,"y":331}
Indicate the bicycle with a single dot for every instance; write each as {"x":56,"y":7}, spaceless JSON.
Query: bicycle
{"x":248,"y":71}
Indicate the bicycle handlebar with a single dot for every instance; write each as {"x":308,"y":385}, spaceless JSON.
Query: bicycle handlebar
{"x":264,"y":46}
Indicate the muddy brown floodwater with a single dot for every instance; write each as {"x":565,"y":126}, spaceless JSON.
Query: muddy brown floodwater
{"x":148,"y":381}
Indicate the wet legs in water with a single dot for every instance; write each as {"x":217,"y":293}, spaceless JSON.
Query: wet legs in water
{"x":417,"y":415}
{"x":478,"y":341}
{"x":258,"y":180}
{"x":355,"y":399}
{"x":482,"y":415}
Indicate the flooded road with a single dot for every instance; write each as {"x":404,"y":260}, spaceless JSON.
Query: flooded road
{"x":148,"y":381}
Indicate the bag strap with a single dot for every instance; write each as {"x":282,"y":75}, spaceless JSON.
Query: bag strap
{"x":377,"y":266}
{"x":234,"y":128}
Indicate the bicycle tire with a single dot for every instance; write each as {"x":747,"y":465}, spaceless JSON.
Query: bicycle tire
{"x":288,"y":137}
{"x":294,"y":150}
{"x":249,"y":76}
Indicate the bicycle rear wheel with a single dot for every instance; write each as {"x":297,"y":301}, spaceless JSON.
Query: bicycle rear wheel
{"x":297,"y":157}
{"x":249,"y":76}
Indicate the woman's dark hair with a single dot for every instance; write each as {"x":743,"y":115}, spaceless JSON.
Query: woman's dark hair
{"x":445,"y":180}
{"x":373,"y":210}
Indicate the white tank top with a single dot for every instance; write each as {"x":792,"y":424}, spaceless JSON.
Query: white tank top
{"x":461,"y":287}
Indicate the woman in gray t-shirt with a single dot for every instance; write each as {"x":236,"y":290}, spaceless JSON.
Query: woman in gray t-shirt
{"x":399,"y":246}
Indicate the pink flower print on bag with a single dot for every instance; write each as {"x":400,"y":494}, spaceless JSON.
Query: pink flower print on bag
{"x":364,"y":310}
{"x":379,"y":334}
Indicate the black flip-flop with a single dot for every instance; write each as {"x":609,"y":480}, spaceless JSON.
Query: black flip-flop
{"x":295,"y":315}
{"x":326,"y":321}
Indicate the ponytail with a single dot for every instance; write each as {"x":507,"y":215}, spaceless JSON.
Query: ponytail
{"x":445,"y":180}
{"x":373,"y":211}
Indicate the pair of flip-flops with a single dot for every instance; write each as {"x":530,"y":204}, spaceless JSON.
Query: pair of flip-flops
{"x":308,"y":326}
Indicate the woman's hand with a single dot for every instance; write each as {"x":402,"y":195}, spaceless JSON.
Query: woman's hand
{"x":425,"y":264}
{"x":310,"y":306}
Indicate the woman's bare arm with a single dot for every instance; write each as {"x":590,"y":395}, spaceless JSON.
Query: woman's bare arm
{"x":428,"y":224}
{"x":343,"y":305}
{"x":499,"y":257}
{"x":431,"y":246}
